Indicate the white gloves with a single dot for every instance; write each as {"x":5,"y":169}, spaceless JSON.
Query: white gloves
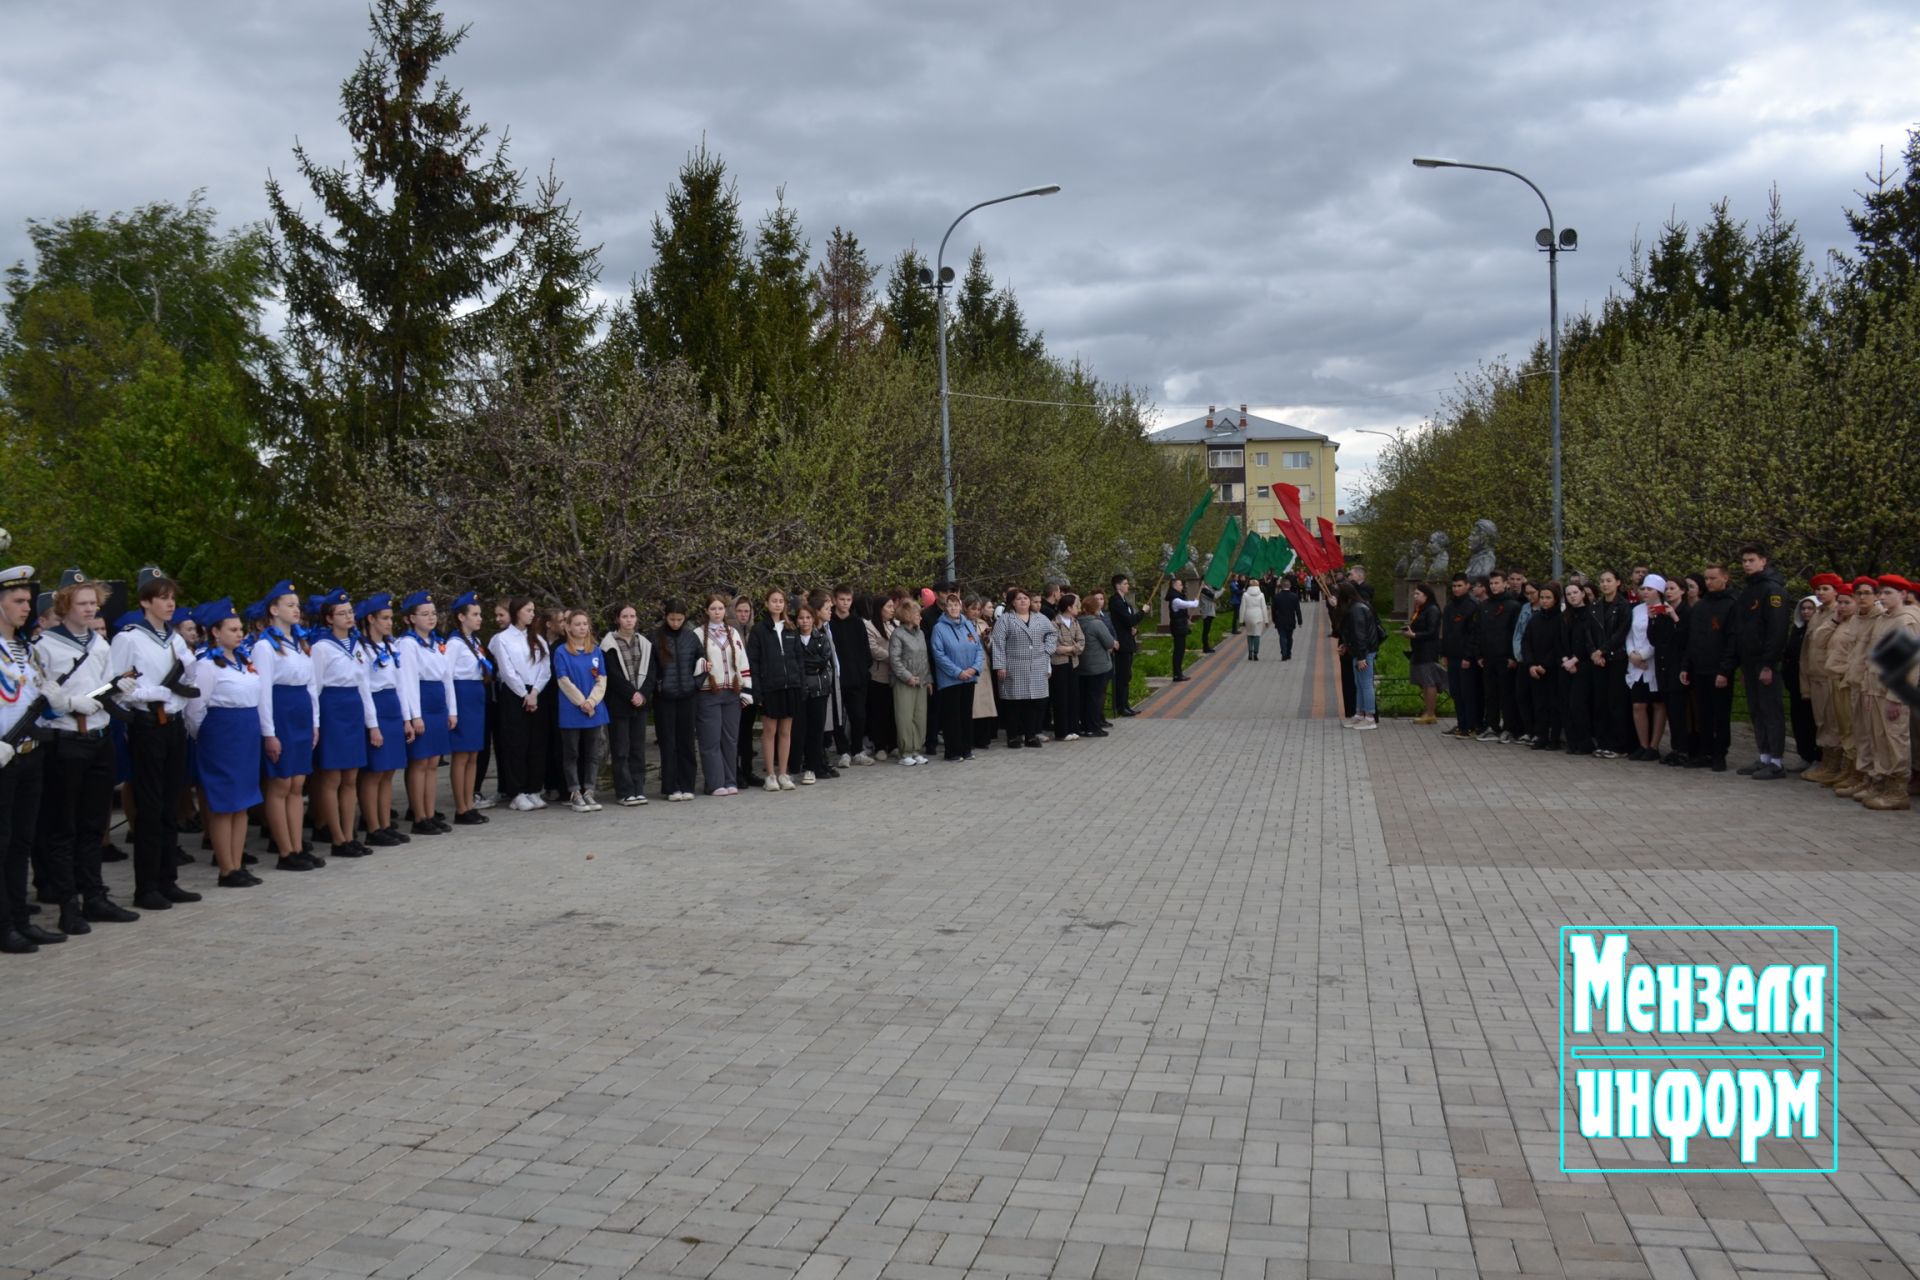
{"x":126,"y":685}
{"x":6,"y":754}
{"x":84,"y":707}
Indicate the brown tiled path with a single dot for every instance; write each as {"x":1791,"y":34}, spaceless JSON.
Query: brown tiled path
{"x":1230,"y":993}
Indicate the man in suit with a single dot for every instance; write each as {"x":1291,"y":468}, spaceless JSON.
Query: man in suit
{"x":1126,"y":621}
{"x":1286,"y":615}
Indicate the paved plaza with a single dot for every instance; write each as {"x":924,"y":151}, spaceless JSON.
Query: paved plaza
{"x":1234,"y":992}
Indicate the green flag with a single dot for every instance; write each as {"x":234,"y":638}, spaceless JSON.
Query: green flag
{"x":1251,"y":551}
{"x":1223,"y":553}
{"x":1178,"y":560}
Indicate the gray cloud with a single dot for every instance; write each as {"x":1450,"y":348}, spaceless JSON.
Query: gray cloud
{"x":1239,"y":220}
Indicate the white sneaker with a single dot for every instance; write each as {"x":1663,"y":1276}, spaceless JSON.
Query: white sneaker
{"x":593,"y":801}
{"x":772,"y":784}
{"x":863,"y":758}
{"x":1368,"y":724}
{"x":482,"y":800}
{"x":806,"y":777}
{"x":520,"y":804}
{"x":786,"y":782}
{"x":908,"y":762}
{"x":1072,"y":737}
{"x":923,"y":760}
{"x":539,"y":801}
{"x":577,"y":803}
{"x":845,"y":761}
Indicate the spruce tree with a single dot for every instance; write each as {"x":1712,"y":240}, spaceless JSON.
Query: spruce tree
{"x":844,"y":286}
{"x":785,"y":348}
{"x":691,"y":302}
{"x":545,"y":313}
{"x":909,"y":317}
{"x":415,"y":229}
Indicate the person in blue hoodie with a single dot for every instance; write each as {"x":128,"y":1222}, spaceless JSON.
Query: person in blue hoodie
{"x":957,"y":661}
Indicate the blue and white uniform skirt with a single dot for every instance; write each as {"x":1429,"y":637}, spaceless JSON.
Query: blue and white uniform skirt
{"x":293,"y":723}
{"x":433,"y":740}
{"x":228,"y":756}
{"x":392,"y":752}
{"x":470,"y":704}
{"x":122,"y":754}
{"x":343,"y":730}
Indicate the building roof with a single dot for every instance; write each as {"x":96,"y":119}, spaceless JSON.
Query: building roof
{"x":1227,"y":430}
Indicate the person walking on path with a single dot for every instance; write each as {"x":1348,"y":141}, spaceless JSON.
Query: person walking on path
{"x":1253,"y":616}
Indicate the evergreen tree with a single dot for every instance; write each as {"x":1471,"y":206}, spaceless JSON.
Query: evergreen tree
{"x":691,"y":303}
{"x":988,"y":327}
{"x":1779,"y":289}
{"x":909,"y":317}
{"x":411,"y":232}
{"x":786,"y":349}
{"x":844,"y":287}
{"x":1886,"y":228}
{"x":546,"y":308}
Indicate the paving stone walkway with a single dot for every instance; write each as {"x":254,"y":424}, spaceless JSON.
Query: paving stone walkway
{"x":1234,"y":992}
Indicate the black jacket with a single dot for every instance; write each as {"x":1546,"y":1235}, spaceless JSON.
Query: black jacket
{"x":775,"y":660}
{"x":620,"y":690}
{"x":1286,"y":610}
{"x":1493,"y":625}
{"x":1710,"y":643}
{"x":1179,"y":620}
{"x":816,"y":665}
{"x":1540,"y":643}
{"x":850,"y":644}
{"x":1762,"y":615}
{"x":1457,"y":626}
{"x":675,"y":654}
{"x":1579,"y":635}
{"x":1614,"y":621}
{"x":1668,"y":634}
{"x":1357,"y":629}
{"x":1425,"y":644}
{"x":1126,"y":621}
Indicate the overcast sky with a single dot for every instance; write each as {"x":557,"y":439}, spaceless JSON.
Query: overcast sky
{"x":1239,"y":221}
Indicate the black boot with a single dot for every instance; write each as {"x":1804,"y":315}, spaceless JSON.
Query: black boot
{"x":104,"y":910}
{"x":71,"y":920}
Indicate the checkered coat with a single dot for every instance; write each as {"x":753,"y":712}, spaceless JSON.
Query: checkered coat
{"x":1024,"y":650}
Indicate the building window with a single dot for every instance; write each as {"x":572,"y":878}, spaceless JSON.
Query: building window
{"x":1226,"y":457}
{"x":1306,"y":493}
{"x":1264,"y":491}
{"x":1259,"y":459}
{"x":1296,"y":461}
{"x":1263,"y":527}
{"x":1228,"y":492}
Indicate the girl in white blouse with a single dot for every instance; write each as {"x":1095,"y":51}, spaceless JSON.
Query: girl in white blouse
{"x":348,"y":724}
{"x":225,"y":724}
{"x":524,"y":666}
{"x":427,"y":703}
{"x":289,"y":724}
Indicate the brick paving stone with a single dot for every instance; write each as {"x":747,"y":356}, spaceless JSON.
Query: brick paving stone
{"x":1240,"y":993}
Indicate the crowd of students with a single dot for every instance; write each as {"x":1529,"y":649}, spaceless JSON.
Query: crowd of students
{"x":294,"y":711}
{"x":1645,"y":669}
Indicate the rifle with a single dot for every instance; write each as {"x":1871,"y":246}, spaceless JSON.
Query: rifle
{"x":175,"y":682}
{"x":110,"y":704}
{"x":26,"y":732}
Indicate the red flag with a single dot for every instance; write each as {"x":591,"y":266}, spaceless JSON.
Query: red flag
{"x":1296,"y":531}
{"x":1330,"y":544}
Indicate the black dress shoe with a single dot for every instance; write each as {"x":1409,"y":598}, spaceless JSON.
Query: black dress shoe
{"x":43,"y":937}
{"x":1768,"y":773}
{"x":1129,"y":712}
{"x":112,"y":853}
{"x":104,"y":910}
{"x":71,"y":921}
{"x":351,"y":849}
{"x":181,"y":858}
{"x":248,"y":860}
{"x":471,"y":818}
{"x":293,"y":862}
{"x":15,"y":945}
{"x":152,"y":900}
{"x":1748,"y":770}
{"x":1179,"y":679}
{"x":191,"y":827}
{"x":828,"y":772}
{"x":1034,"y":741}
{"x":1696,"y":762}
{"x":382,"y":839}
{"x":236,"y":880}
{"x":1719,"y":764}
{"x":174,"y":893}
{"x":1014,"y":744}
{"x":426,"y":827}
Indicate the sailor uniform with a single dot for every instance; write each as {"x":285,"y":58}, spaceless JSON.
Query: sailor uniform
{"x":470,"y":668}
{"x":157,"y":741}
{"x":290,"y":701}
{"x":225,"y":724}
{"x":20,"y":781}
{"x":346,"y":702}
{"x":77,"y":789}
{"x":427,"y":693}
{"x":383,"y":681}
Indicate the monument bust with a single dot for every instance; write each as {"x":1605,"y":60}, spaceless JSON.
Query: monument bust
{"x":1480,"y":543}
{"x":1438,"y":560}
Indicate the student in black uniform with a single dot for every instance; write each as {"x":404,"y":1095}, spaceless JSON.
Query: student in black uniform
{"x":22,"y":765}
{"x":1126,"y":623}
{"x":157,"y":738}
{"x":1458,"y":651}
{"x":1180,"y":612}
{"x":1707,"y":671}
{"x":1541,"y":652}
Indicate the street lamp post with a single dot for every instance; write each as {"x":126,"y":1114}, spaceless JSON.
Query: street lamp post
{"x":1553,"y":241}
{"x":941,"y":278}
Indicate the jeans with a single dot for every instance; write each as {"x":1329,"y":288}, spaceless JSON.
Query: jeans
{"x":1363,"y":683}
{"x":580,"y":757}
{"x":1253,"y":644}
{"x":627,"y":742}
{"x":1286,"y":643}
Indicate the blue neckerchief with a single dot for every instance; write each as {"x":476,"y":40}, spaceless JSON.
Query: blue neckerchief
{"x":426,"y":643}
{"x":478,"y":650}
{"x":347,"y":646}
{"x":383,"y":653}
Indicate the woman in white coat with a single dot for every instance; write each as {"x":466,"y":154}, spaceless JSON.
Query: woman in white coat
{"x":1255,"y":617}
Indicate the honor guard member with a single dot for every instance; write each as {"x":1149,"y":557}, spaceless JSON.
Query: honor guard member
{"x":1892,"y":718}
{"x":1851,"y":648}
{"x":472,"y":670}
{"x":1814,"y":647}
{"x":22,"y":766}
{"x":1761,"y":619}
{"x":289,"y":723}
{"x":224,"y":722}
{"x":77,"y":790}
{"x":347,"y":721}
{"x":154,"y":654}
{"x":427,"y":701}
{"x":387,"y":749}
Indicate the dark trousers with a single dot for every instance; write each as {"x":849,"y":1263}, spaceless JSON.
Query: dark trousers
{"x":1679,"y":713}
{"x":520,"y":746}
{"x":1767,"y":711}
{"x":627,"y":743}
{"x":1063,"y":693}
{"x":885,"y":736}
{"x":1525,"y":721}
{"x":159,"y":754}
{"x":1463,"y":686}
{"x":1546,"y":698}
{"x":936,"y":705}
{"x":1492,"y":703}
{"x":852,"y":733}
{"x":956,"y":719}
{"x":580,"y":758}
{"x":1285,"y":636}
{"x":1179,"y":654}
{"x":1800,"y":719}
{"x":1579,"y":700}
{"x":1349,"y":691}
{"x":673,"y":727}
{"x":1206,"y":635}
{"x":1093,"y":701}
{"x":1024,"y":717}
{"x":749,"y":744}
{"x":1122,"y":681}
{"x":75,"y":797}
{"x":1712,"y":717}
{"x":556,"y":765}
{"x":811,"y":725}
{"x":20,"y":785}
{"x":1613,"y":708}
{"x":485,"y":758}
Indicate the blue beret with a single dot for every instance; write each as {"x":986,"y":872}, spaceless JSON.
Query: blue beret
{"x":415,"y":600}
{"x":372,"y":604}
{"x":462,"y":600}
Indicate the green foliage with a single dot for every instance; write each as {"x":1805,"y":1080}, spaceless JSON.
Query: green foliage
{"x":910,"y":318}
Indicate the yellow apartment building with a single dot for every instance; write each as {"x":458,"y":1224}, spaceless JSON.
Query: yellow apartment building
{"x":1246,"y":455}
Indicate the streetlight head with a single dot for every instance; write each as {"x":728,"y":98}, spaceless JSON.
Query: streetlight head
{"x":946,"y":275}
{"x":1053,"y":189}
{"x":1569,"y":238}
{"x":1544,"y":238}
{"x":926,"y":275}
{"x":1429,"y":162}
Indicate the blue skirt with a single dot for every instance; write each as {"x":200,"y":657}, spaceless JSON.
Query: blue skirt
{"x":293,"y":723}
{"x":392,"y":752}
{"x":229,"y":759}
{"x":470,"y":704}
{"x":343,"y":731}
{"x":433,"y":739}
{"x":122,"y":754}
